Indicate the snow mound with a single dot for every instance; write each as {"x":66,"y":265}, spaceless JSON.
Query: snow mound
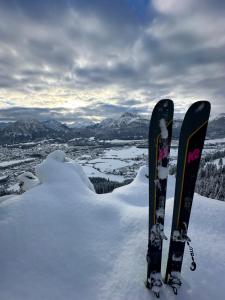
{"x":133,"y":190}
{"x":57,"y":169}
{"x":142,"y":175}
{"x":27,"y":181}
{"x":60,"y":240}
{"x":58,"y":155}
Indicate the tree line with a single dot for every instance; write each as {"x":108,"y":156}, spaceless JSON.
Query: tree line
{"x":211,"y":176}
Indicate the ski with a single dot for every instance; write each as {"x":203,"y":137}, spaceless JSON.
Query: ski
{"x":191,"y":143}
{"x":160,"y":134}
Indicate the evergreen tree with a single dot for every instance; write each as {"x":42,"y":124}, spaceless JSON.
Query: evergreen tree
{"x":220,"y":162}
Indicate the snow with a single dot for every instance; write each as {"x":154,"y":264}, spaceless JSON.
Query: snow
{"x":27,"y":181}
{"x":116,"y":164}
{"x":60,"y":240}
{"x":216,"y":161}
{"x":6,"y":164}
{"x":58,"y":155}
{"x":117,"y":141}
{"x":82,"y":124}
{"x":48,"y":171}
{"x":125,"y":152}
{"x":162,"y":172}
{"x":108,"y":165}
{"x":215,"y":141}
{"x":15,"y":188}
{"x":163,"y":129}
{"x":92,"y":172}
{"x":3,"y":178}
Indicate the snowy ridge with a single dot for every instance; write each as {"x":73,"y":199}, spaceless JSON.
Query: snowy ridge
{"x":82,"y":124}
{"x":124,"y":120}
{"x":55,"y":125}
{"x":60,"y":240}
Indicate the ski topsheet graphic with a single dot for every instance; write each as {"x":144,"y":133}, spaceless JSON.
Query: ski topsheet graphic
{"x":191,"y":143}
{"x":160,"y":133}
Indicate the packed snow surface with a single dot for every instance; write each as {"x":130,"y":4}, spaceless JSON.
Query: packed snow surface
{"x":61,"y":241}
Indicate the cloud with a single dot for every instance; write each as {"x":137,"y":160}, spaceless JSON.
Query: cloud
{"x":56,"y":54}
{"x":17,"y":113}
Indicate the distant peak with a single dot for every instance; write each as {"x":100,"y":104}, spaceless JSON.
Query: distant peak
{"x":217,"y":117}
{"x":129,"y":115}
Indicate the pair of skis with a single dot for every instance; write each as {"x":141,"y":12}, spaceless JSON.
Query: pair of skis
{"x":191,"y":143}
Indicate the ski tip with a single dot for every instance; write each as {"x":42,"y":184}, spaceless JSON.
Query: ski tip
{"x":196,"y":116}
{"x":163,"y":107}
{"x":202,"y":106}
{"x":166,"y":103}
{"x":162,"y":110}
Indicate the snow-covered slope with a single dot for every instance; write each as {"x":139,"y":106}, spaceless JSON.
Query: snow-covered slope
{"x":55,"y":125}
{"x":82,"y":124}
{"x":126,"y":119}
{"x":61,"y":241}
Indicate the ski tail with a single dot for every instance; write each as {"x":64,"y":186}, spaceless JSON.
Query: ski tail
{"x":191,"y":142}
{"x":160,"y":135}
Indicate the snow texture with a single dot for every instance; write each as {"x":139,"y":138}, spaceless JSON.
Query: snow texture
{"x":56,"y":168}
{"x":163,"y":128}
{"x":27,"y":181}
{"x":60,"y":240}
{"x":163,"y":172}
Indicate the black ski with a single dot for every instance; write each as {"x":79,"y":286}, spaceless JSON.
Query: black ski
{"x":160,"y":133}
{"x":191,"y":143}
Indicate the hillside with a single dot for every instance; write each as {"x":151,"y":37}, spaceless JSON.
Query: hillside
{"x":127,"y":126}
{"x":60,"y":240}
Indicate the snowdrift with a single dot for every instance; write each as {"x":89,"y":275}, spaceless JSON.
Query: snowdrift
{"x":60,"y":240}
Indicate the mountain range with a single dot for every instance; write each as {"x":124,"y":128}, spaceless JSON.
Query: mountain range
{"x":127,"y":126}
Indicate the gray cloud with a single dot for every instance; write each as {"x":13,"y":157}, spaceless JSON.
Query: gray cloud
{"x":67,"y":115}
{"x":152,"y":48}
{"x":17,"y":113}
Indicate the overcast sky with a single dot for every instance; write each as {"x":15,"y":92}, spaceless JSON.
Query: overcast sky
{"x":96,"y":59}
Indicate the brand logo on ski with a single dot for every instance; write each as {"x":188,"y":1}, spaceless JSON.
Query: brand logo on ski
{"x":193,"y":155}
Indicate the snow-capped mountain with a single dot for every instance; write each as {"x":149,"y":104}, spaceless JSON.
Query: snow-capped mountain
{"x":128,"y":126}
{"x":81,"y":124}
{"x":23,"y":130}
{"x":217,"y":117}
{"x":126,"y":119}
{"x":55,"y":125}
{"x":129,"y":119}
{"x":30,"y":130}
{"x":108,"y":122}
{"x":216,"y":128}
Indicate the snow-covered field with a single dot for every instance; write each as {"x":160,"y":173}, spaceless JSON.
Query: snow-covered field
{"x":216,"y":161}
{"x":126,"y":152}
{"x":114,"y":163}
{"x":60,"y":240}
{"x":119,"y":163}
{"x":93,"y":172}
{"x":215,"y":141}
{"x":11,"y":163}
